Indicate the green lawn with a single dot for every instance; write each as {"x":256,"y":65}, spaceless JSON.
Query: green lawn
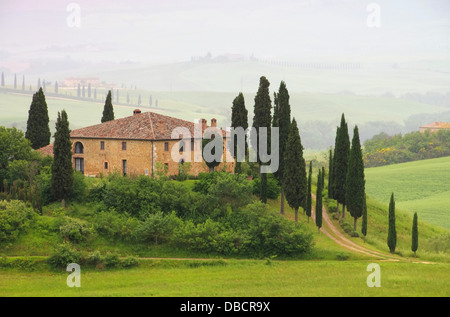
{"x":237,"y":278}
{"x":420,"y":186}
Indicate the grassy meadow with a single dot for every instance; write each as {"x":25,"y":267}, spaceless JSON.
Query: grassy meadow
{"x":420,"y":186}
{"x":237,"y":278}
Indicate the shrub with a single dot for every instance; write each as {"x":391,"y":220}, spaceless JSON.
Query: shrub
{"x":15,"y":217}
{"x":111,"y":260}
{"x":273,"y":188}
{"x":129,"y":262}
{"x":94,"y":258}
{"x":157,"y":227}
{"x":75,"y":230}
{"x":63,"y":255}
{"x":116,"y":226}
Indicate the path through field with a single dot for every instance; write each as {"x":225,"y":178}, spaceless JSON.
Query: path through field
{"x":330,"y":230}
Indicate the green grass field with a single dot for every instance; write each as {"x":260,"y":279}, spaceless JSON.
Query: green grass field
{"x":237,"y":278}
{"x":421,"y":186}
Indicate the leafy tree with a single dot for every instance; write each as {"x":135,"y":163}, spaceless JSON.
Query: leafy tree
{"x":38,"y":130}
{"x":239,"y":118}
{"x":355,"y":183}
{"x":415,"y":235}
{"x":13,"y":146}
{"x":340,"y":163}
{"x":319,"y":202}
{"x":308,"y":193}
{"x":295,"y":183}
{"x":392,"y":233}
{"x":108,"y":111}
{"x":62,"y":171}
{"x":282,"y":120}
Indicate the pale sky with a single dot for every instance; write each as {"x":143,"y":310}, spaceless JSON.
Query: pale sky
{"x":174,"y":30}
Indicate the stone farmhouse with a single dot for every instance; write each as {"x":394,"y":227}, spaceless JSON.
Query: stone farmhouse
{"x":435,"y":126}
{"x":139,"y":145}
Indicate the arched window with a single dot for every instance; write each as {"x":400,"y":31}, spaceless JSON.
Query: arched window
{"x":181,"y":148}
{"x":79,"y":148}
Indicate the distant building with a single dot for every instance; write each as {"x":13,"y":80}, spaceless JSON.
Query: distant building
{"x":435,"y":126}
{"x":73,"y":82}
{"x":134,"y":145}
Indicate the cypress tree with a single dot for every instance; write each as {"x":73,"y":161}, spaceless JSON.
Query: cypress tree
{"x":354,"y":185}
{"x":79,"y":91}
{"x":56,"y":87}
{"x":39,"y":84}
{"x":239,"y":118}
{"x":308,"y":193}
{"x":319,"y":202}
{"x":3,"y":80}
{"x":282,"y":120}
{"x":415,"y":235}
{"x":330,"y":175}
{"x":262,"y":119}
{"x":323,"y":178}
{"x":364,"y":219}
{"x":392,"y":233}
{"x":44,"y":88}
{"x":15,"y":81}
{"x":341,"y":153}
{"x":108,"y":111}
{"x":23,"y":82}
{"x":38,"y":130}
{"x":62,"y":171}
{"x":295,"y":182}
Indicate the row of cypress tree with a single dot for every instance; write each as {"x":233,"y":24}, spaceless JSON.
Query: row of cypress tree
{"x":291,"y":172}
{"x":346,"y":181}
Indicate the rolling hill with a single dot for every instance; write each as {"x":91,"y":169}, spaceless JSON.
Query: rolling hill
{"x":420,"y":186}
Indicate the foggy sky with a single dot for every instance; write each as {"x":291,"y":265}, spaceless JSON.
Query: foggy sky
{"x":174,"y":30}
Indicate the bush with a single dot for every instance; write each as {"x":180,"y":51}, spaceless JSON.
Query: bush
{"x":157,"y":227}
{"x":94,"y":258}
{"x":15,"y":217}
{"x":129,"y":262}
{"x":273,"y":188}
{"x":116,"y":226}
{"x":75,"y":230}
{"x":63,"y":255}
{"x":111,"y":260}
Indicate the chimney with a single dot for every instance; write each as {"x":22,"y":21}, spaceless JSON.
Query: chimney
{"x":204,"y":125}
{"x":213,"y":123}
{"x":136,"y":111}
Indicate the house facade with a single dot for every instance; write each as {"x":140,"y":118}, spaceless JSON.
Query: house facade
{"x":142,"y":144}
{"x":435,"y":126}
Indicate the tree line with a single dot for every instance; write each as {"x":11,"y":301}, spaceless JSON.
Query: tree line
{"x":84,"y":92}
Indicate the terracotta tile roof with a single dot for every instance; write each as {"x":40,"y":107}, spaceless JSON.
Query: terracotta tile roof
{"x":46,"y":150}
{"x":437,"y":125}
{"x":140,"y":126}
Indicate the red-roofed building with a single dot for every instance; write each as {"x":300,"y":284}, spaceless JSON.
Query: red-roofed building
{"x":140,"y":145}
{"x":434,"y":127}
